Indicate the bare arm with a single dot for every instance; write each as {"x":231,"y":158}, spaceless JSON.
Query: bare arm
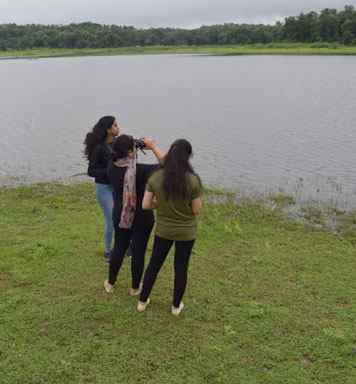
{"x":159,"y":154}
{"x":150,"y":144}
{"x":147,"y":202}
{"x":197,"y":205}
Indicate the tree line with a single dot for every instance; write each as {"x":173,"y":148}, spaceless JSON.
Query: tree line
{"x":326,"y":26}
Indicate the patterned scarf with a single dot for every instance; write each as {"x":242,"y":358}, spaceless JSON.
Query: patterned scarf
{"x":129,"y":198}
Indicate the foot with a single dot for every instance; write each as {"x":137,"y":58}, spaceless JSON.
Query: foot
{"x":176,"y":311}
{"x":141,"y":306}
{"x":108,"y":287}
{"x":135,"y":291}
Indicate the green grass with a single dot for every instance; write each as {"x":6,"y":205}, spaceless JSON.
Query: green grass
{"x":268,"y":301}
{"x":257,"y":49}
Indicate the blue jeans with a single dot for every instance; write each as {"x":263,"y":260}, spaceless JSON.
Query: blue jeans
{"x":104,"y":196}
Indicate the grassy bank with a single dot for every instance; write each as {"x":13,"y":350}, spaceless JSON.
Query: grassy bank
{"x":270,"y":49}
{"x":268,"y":301}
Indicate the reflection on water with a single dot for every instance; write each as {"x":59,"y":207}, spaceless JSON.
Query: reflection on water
{"x":258,"y":124}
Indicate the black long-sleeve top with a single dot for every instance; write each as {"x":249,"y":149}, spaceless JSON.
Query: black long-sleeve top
{"x":143,"y":218}
{"x":98,"y":163}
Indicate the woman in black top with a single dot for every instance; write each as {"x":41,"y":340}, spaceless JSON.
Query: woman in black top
{"x":128,"y":180}
{"x":98,"y":150}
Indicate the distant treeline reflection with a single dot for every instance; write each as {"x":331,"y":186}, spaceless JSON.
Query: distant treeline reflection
{"x":326,"y":26}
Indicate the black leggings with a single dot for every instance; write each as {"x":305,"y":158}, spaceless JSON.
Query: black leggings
{"x":139,"y":239}
{"x":161,"y":247}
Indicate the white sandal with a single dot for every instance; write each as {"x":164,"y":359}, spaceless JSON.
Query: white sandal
{"x":141,"y":306}
{"x":108,"y":287}
{"x":135,"y":292}
{"x":177,"y":311}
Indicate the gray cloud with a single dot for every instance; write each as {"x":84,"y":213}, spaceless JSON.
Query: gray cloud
{"x":145,"y":13}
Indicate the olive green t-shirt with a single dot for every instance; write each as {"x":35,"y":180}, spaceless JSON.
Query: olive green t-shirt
{"x":175,"y":219}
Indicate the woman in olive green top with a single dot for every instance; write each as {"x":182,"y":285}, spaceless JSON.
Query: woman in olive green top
{"x":175,"y":191}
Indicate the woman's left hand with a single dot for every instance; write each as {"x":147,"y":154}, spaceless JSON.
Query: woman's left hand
{"x":149,"y":143}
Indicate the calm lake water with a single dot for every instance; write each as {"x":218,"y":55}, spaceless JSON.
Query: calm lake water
{"x":257,"y":123}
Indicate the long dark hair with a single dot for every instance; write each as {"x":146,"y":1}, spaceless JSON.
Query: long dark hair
{"x":97,"y":135}
{"x":176,"y":170}
{"x":121,"y":146}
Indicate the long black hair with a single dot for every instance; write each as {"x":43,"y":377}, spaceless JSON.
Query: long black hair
{"x":97,"y":135}
{"x":176,"y":170}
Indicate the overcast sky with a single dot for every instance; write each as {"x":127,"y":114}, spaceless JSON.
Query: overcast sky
{"x":158,"y":13}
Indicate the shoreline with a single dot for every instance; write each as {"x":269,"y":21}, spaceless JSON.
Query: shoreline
{"x":315,"y":215}
{"x":229,"y":50}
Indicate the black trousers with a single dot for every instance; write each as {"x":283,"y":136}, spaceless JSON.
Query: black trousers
{"x":138,"y":237}
{"x":161,"y":247}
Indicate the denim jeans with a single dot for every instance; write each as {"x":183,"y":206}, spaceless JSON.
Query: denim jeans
{"x":104,"y":196}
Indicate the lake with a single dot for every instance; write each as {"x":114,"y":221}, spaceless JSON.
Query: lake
{"x":258,"y":124}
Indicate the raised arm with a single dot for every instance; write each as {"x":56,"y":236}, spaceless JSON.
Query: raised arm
{"x":151,"y":145}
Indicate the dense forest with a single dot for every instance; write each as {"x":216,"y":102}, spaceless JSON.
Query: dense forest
{"x":326,"y":26}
